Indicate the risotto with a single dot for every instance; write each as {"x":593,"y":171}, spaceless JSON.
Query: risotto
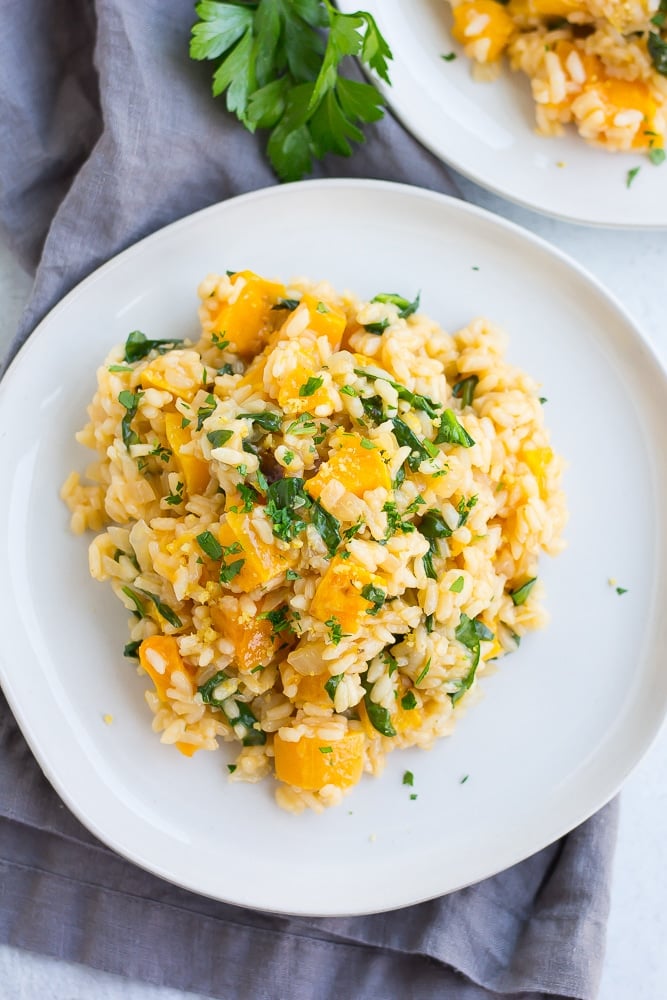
{"x":325,"y":519}
{"x":599,"y":64}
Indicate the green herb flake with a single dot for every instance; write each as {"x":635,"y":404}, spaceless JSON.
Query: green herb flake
{"x":657,"y":50}
{"x":404,"y":306}
{"x":205,"y":411}
{"x":631,"y":174}
{"x":657,"y":156}
{"x":327,"y":526}
{"x":415,"y":399}
{"x":120,"y":368}
{"x":310,"y":387}
{"x":464,"y":779}
{"x":365,"y":443}
{"x":249,"y":496}
{"x":130,"y":401}
{"x":228,"y":571}
{"x":138,"y":346}
{"x":288,"y":457}
{"x":210,"y":545}
{"x":322,"y":308}
{"x":457,"y":586}
{"x":621,"y":590}
{"x":408,"y":701}
{"x":413,"y":797}
{"x":448,"y":56}
{"x":292,"y":574}
{"x":303,"y":425}
{"x":520,"y":595}
{"x":335,"y":630}
{"x":348,"y":390}
{"x":231,"y":768}
{"x":408,"y":778}
{"x":289,"y":304}
{"x":543,"y":400}
{"x":465,"y":389}
{"x":429,"y":622}
{"x":185,"y":423}
{"x":407,"y":438}
{"x":423,"y":672}
{"x":375,"y":596}
{"x":379,"y":717}
{"x":331,"y":685}
{"x":258,"y":668}
{"x":217,"y":339}
{"x":450,"y":431}
{"x":174,"y":499}
{"x":279,"y":619}
{"x":267,"y":420}
{"x":325,"y":749}
{"x":469,"y":632}
{"x":131,"y":649}
{"x":377,"y":328}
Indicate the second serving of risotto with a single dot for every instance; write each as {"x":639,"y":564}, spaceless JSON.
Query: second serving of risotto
{"x":325,"y":519}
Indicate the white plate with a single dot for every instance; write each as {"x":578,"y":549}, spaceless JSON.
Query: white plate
{"x":563,"y":721}
{"x":486,"y":130}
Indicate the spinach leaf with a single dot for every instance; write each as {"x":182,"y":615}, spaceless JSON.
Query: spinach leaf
{"x":138,"y":346}
{"x":520,"y":595}
{"x":451,"y":431}
{"x":404,"y":306}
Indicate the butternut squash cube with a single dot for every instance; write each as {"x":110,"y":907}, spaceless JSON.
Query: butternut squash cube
{"x":159,"y":656}
{"x":262,"y":561}
{"x":495,"y":26}
{"x":194,"y":470}
{"x":311,"y":763}
{"x":246,"y":322}
{"x":358,"y":468}
{"x":253,"y":638}
{"x":338,"y":594}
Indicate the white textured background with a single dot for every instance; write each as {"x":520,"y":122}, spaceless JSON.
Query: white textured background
{"x":634,"y":267}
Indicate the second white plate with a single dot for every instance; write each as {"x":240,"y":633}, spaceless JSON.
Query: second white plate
{"x":486,"y":130}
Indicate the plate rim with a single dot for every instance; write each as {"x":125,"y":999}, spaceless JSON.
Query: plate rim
{"x":135,"y":854}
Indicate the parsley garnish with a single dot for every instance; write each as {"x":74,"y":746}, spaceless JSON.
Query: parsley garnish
{"x":249,"y":496}
{"x":408,"y":701}
{"x":520,"y":595}
{"x":325,"y":749}
{"x":429,"y":622}
{"x":433,"y":526}
{"x":466,"y":389}
{"x":230,"y":570}
{"x":310,"y":387}
{"x":138,"y":346}
{"x":457,"y":586}
{"x":347,"y":390}
{"x":131,"y":650}
{"x":422,"y":674}
{"x":267,"y":420}
{"x":377,"y":328}
{"x":656,"y":156}
{"x":373,"y":408}
{"x":163,"y":609}
{"x":469,"y":632}
{"x":302,"y":425}
{"x":327,"y":526}
{"x":331,"y":685}
{"x":631,"y":174}
{"x":378,"y":716}
{"x":621,"y":590}
{"x":231,"y":768}
{"x":415,"y":399}
{"x":285,"y":498}
{"x":279,"y":619}
{"x":292,"y":574}
{"x":657,"y":50}
{"x":408,"y":778}
{"x":407,"y":438}
{"x":289,"y":304}
{"x":217,"y":339}
{"x":375,"y":596}
{"x":288,"y":457}
{"x":280,"y":71}
{"x":335,"y":630}
{"x":209,"y":544}
{"x":250,"y":736}
{"x":404,"y":306}
{"x":451,"y":431}
{"x":205,"y":411}
{"x":130,"y":400}
{"x":449,"y":56}
{"x":174,"y":499}
{"x":120,"y":368}
{"x":464,"y":507}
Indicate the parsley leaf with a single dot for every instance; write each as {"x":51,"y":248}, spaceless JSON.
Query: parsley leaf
{"x":451,"y":431}
{"x":138,"y":346}
{"x":310,"y":387}
{"x":407,"y":438}
{"x":327,"y":526}
{"x":631,"y":174}
{"x":404,"y":306}
{"x":279,"y":70}
{"x":331,"y":685}
{"x":417,"y":401}
{"x":267,"y":420}
{"x":520,"y":595}
{"x":130,"y":400}
{"x":375,"y":596}
{"x":469,"y":632}
{"x":378,"y":716}
{"x":209,"y":544}
{"x":657,"y":49}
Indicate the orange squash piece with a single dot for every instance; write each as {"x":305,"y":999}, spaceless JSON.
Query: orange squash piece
{"x":312,"y":763}
{"x":157,"y":650}
{"x":325,"y":321}
{"x":194,"y":470}
{"x":246,"y":322}
{"x":262,"y":561}
{"x":358,"y":468}
{"x":338,"y":593}
{"x":498,"y":29}
{"x":253,"y":638}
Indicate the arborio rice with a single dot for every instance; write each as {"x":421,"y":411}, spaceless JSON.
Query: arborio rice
{"x":325,"y":518}
{"x":600,"y":64}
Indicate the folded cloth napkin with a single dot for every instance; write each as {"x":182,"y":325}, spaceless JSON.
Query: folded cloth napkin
{"x":107,"y":132}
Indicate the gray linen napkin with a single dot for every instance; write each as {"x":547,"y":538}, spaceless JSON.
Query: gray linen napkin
{"x":107,"y":132}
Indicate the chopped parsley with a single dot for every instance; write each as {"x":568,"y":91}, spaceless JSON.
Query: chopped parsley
{"x":210,"y":545}
{"x":138,"y":346}
{"x":433,"y":526}
{"x":415,"y":399}
{"x":159,"y":451}
{"x":457,"y":586}
{"x":327,"y":526}
{"x":335,"y":630}
{"x":279,"y":619}
{"x":322,"y":308}
{"x":120,"y":368}
{"x":408,"y":778}
{"x":228,"y":571}
{"x":464,"y":779}
{"x":285,"y":498}
{"x":347,"y":390}
{"x":451,"y":431}
{"x":404,"y":306}
{"x":407,"y":438}
{"x":325,"y":749}
{"x":205,"y":411}
{"x":373,"y":408}
{"x":131,"y":649}
{"x":465,"y":389}
{"x":304,"y":424}
{"x":621,"y":590}
{"x":289,"y":304}
{"x":378,"y":716}
{"x":520,"y":595}
{"x":231,"y":768}
{"x":469,"y":632}
{"x":423,"y":672}
{"x":408,"y":701}
{"x":464,"y":507}
{"x":368,"y":445}
{"x":288,"y":457}
{"x":130,"y":401}
{"x":249,"y":495}
{"x":207,"y":690}
{"x":656,"y":156}
{"x":217,"y":339}
{"x":375,"y":596}
{"x":292,"y":574}
{"x":657,"y":50}
{"x":631,"y":174}
{"x":331,"y":685}
{"x":244,"y":724}
{"x":267,"y":420}
{"x":310,"y":387}
{"x":377,"y":328}
{"x":176,"y":498}
{"x":162,"y":609}
{"x":449,"y":56}
{"x":429,"y":622}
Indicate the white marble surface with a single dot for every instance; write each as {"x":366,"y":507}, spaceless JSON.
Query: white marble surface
{"x":634,"y":266}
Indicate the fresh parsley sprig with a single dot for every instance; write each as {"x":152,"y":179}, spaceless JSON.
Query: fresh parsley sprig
{"x":279,"y":67}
